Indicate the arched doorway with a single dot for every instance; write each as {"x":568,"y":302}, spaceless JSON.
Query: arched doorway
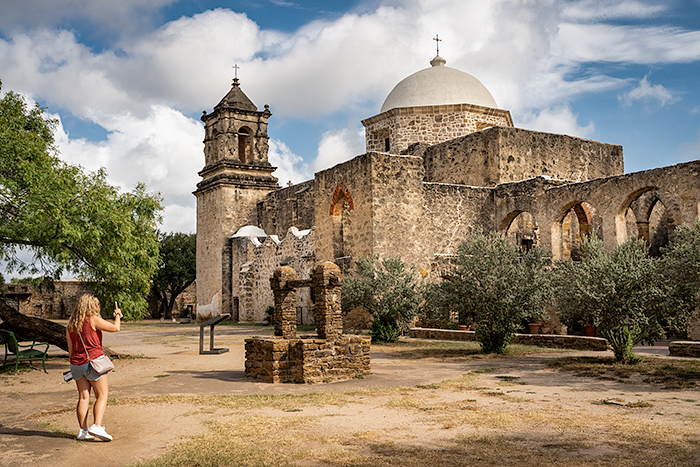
{"x":648,"y":218}
{"x":521,"y":230}
{"x":578,"y":221}
{"x":341,"y":205}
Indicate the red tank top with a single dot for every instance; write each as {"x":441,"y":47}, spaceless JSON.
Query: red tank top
{"x":93,"y":342}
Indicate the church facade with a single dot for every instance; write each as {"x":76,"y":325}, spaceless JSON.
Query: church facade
{"x":442,"y":160}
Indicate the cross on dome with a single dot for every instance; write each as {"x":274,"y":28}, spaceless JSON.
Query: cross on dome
{"x":437,"y":43}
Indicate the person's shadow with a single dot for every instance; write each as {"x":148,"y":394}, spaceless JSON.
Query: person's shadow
{"x":6,"y":430}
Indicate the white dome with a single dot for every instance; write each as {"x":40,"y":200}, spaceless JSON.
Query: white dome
{"x":438,"y":85}
{"x":250,"y":231}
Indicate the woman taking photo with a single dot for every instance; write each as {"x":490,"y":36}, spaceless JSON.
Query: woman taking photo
{"x":84,"y":337}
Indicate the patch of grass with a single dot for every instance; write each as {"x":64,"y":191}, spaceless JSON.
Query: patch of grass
{"x":639,"y":404}
{"x":57,"y":429}
{"x":161,"y":376}
{"x":242,"y":402}
{"x":677,"y":374}
{"x":22,"y":367}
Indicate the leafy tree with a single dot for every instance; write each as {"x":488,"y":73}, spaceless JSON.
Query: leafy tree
{"x":615,"y":291}
{"x":438,"y":306}
{"x":70,"y":220}
{"x":177,"y":269}
{"x":385,"y":289}
{"x":679,"y":269}
{"x":497,"y":285}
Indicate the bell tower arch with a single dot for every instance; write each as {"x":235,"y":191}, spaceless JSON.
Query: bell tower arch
{"x":236,"y":175}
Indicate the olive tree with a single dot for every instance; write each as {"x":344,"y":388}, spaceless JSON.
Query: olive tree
{"x":497,"y":286}
{"x":617,"y":291}
{"x":679,"y":273}
{"x":387,"y":291}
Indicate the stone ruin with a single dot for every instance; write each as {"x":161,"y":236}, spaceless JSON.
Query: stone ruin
{"x":327,"y":356}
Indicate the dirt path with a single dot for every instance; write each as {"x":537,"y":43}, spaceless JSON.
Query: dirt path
{"x":37,"y":421}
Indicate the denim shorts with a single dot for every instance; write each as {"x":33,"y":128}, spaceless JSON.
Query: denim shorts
{"x":78,"y":371}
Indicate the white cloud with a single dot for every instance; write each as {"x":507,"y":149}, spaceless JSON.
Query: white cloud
{"x":588,"y":10}
{"x":577,"y":43}
{"x":163,"y":150}
{"x":691,"y":150}
{"x":290,"y":166}
{"x":532,"y":56}
{"x":647,"y":92}
{"x":556,"y":120}
{"x":177,"y":218}
{"x":338,"y":146}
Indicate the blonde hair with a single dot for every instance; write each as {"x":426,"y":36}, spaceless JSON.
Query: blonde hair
{"x":88,"y":305}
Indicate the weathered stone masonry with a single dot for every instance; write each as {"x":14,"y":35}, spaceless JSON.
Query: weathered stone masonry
{"x":328,"y":356}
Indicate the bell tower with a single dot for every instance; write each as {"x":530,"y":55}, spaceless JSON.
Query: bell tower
{"x":236,"y":175}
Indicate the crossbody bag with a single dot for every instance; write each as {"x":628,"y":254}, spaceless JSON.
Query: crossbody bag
{"x":101,"y":364}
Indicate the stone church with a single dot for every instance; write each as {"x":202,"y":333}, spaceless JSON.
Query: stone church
{"x":441,"y":160}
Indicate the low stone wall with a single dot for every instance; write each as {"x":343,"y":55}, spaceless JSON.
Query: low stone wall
{"x":307,"y":359}
{"x":556,"y":341}
{"x":684,"y":349}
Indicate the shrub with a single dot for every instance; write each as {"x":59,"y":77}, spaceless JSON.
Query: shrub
{"x":497,"y":285}
{"x":617,"y":291}
{"x":387,"y":291}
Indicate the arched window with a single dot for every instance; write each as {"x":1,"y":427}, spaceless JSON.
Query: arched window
{"x":245,"y":143}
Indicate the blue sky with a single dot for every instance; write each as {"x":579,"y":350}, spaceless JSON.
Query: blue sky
{"x":129,"y":79}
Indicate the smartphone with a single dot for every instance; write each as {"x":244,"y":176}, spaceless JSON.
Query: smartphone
{"x":67,"y":376}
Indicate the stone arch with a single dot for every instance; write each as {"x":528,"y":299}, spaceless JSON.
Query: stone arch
{"x":340,"y":195}
{"x":649,"y":213}
{"x":245,"y":145}
{"x":521,"y":229}
{"x":574,"y":220}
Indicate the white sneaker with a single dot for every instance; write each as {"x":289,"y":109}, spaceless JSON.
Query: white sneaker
{"x":83,"y":435}
{"x":98,"y":431}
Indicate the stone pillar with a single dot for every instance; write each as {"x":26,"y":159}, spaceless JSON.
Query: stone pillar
{"x":327,"y":281}
{"x":643,"y":231}
{"x":285,"y":317}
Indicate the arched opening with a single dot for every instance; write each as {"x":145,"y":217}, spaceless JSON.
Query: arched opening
{"x":341,"y":205}
{"x":521,"y":230}
{"x":245,"y":143}
{"x":648,"y":218}
{"x":577,"y":222}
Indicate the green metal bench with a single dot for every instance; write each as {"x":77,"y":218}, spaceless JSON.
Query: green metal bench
{"x":23,"y":352}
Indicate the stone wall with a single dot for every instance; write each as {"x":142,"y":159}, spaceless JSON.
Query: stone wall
{"x":48,"y":304}
{"x":221,"y":211}
{"x":307,"y":359}
{"x":255,"y":260}
{"x":344,"y":210}
{"x":540,"y":340}
{"x":429,"y":124}
{"x":288,"y":207}
{"x":684,"y":349}
{"x":500,"y":155}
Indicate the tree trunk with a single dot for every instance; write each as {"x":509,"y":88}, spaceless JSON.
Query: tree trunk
{"x":27,"y":327}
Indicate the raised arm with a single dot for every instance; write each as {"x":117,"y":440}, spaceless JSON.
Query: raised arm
{"x":106,"y":326}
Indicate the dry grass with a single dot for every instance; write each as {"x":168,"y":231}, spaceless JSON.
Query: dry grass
{"x":448,"y":423}
{"x":432,"y":350}
{"x":671,"y":374}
